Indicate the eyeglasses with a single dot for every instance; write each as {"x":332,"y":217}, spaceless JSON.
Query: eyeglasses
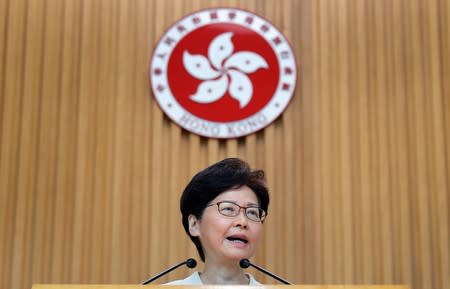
{"x":231,"y":209}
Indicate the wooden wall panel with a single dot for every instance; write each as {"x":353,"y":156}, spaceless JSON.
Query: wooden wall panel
{"x":358,"y":165}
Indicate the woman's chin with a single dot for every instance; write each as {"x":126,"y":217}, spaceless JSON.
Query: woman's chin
{"x":238,"y":257}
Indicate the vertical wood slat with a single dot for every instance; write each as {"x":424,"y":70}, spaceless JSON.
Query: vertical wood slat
{"x":140,"y":153}
{"x":157,"y":129}
{"x":365,"y":272}
{"x":439,"y":223}
{"x":418,"y":150}
{"x":326,"y":191}
{"x":444,"y":188}
{"x":66,"y":148}
{"x":124,"y":96}
{"x":401,"y":147}
{"x":432,"y":81}
{"x":91,"y":169}
{"x":345,"y":165}
{"x":105,"y":114}
{"x":301,"y":118}
{"x":47,"y":122}
{"x":16,"y":247}
{"x":316,"y":167}
{"x":86,"y":130}
{"x":383,"y":143}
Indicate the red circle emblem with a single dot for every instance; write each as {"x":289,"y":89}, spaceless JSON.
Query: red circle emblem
{"x":223,"y":73}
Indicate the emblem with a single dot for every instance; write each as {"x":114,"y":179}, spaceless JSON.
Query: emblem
{"x":223,"y":73}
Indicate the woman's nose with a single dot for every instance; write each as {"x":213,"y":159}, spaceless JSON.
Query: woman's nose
{"x":241,"y":218}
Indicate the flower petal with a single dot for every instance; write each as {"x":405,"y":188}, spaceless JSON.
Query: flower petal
{"x":246,"y":61}
{"x":211,"y":90}
{"x":241,"y":87}
{"x":198,"y":66}
{"x":220,"y":48}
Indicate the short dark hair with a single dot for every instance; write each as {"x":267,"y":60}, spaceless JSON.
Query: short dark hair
{"x":207,"y":184}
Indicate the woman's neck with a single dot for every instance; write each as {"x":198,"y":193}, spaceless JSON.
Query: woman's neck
{"x":223,"y":274}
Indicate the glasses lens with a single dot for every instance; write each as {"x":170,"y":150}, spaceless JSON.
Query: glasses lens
{"x":228,"y":209}
{"x":255,"y":214}
{"x":232,"y":210}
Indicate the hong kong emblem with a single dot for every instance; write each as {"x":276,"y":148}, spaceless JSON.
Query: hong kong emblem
{"x":223,"y":73}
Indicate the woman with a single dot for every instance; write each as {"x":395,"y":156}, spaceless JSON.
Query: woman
{"x":223,"y":209}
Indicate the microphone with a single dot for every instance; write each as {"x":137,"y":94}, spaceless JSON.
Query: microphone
{"x":191,"y":263}
{"x":245,"y":263}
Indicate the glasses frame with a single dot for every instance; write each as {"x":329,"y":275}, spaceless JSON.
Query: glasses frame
{"x":264,"y":213}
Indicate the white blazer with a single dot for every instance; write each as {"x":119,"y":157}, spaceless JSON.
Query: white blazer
{"x":194,"y":279}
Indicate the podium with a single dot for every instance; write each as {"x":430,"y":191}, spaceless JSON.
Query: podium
{"x":121,"y":286}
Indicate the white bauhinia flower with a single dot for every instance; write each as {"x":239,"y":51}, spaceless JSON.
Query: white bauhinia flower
{"x":223,"y":71}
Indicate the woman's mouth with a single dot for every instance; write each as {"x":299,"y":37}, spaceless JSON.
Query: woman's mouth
{"x":237,"y":239}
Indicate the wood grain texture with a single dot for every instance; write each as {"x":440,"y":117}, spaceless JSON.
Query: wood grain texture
{"x":121,"y":286}
{"x":91,"y":169}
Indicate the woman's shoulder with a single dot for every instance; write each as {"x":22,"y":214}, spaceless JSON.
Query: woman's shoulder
{"x":252,"y":280}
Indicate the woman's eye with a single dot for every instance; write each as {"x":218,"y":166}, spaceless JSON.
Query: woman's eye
{"x":253,"y":212}
{"x":228,"y":209}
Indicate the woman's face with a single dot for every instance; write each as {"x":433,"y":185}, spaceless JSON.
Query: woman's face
{"x":228,"y":239}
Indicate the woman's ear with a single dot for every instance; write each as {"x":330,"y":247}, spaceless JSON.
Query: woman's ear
{"x":194,"y":229}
